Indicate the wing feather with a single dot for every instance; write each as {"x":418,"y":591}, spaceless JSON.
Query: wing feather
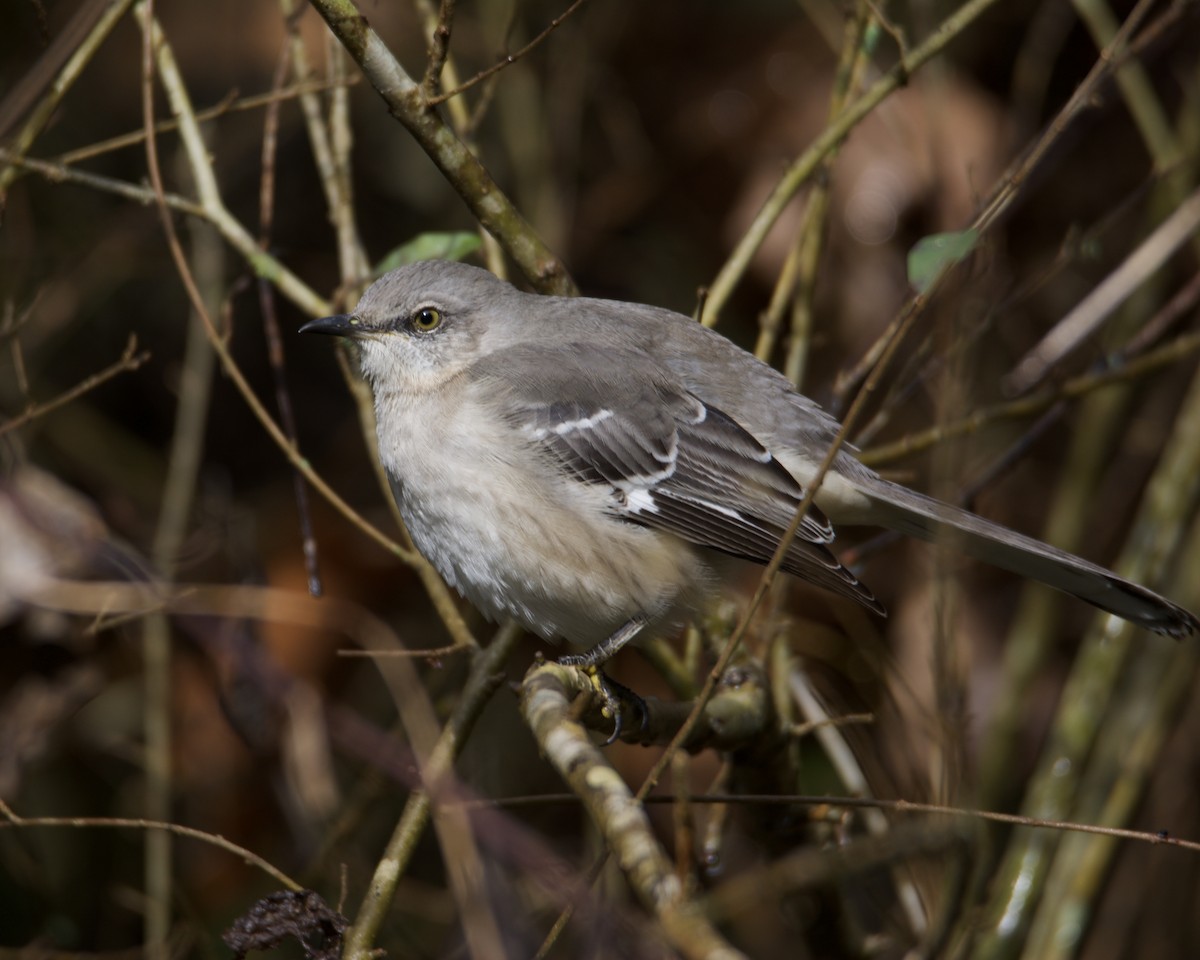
{"x":673,"y":462}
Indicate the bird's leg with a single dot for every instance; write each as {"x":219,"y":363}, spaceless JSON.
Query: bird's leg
{"x":607,"y":689}
{"x":605,"y":649}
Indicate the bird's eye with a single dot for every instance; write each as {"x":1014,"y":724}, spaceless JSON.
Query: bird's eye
{"x":427,"y":319}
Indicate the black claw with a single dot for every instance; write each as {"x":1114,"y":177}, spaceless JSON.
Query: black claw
{"x":616,"y":734}
{"x":614,"y":694}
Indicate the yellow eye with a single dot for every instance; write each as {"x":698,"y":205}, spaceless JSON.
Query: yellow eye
{"x":427,"y":319}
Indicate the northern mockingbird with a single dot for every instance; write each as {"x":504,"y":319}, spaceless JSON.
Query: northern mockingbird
{"x":569,"y":462}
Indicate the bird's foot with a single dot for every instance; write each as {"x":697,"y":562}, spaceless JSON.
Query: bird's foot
{"x":613,"y":696}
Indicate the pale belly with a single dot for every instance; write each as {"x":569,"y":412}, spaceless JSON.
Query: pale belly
{"x":534,"y":546}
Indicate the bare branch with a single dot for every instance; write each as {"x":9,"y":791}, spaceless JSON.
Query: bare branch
{"x":509,"y":59}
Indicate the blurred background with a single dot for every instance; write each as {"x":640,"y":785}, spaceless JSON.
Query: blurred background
{"x":640,"y":141}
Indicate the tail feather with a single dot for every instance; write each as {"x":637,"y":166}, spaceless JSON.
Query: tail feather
{"x":914,"y":514}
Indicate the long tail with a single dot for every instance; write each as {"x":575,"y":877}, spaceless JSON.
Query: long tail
{"x":914,"y":514}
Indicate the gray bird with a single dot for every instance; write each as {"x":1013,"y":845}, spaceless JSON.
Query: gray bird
{"x":571,"y":462}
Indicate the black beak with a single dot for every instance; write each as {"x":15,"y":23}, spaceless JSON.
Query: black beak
{"x":341,"y":325}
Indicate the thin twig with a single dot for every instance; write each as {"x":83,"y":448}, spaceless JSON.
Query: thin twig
{"x":183,"y":469}
{"x":20,"y":373}
{"x":275,"y":355}
{"x":1150,"y":362}
{"x":130,"y":360}
{"x":230,"y":104}
{"x":845,"y":720}
{"x":1137,"y":89}
{"x":895,"y":31}
{"x":266,"y":191}
{"x":156,"y":649}
{"x":1109,"y":59}
{"x":352,"y":254}
{"x":439,"y":49}
{"x":508,"y":60}
{"x":9,"y":819}
{"x":432,"y":654}
{"x":58,"y":173}
{"x":448,"y":73}
{"x":718,"y":797}
{"x":352,"y":259}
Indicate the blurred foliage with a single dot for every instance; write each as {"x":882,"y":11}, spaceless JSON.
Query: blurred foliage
{"x":429,"y":246}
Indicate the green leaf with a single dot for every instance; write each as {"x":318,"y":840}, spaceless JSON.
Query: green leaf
{"x":430,"y":246}
{"x":933,"y":254}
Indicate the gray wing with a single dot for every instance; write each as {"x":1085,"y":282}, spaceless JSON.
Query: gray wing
{"x":672,"y":461}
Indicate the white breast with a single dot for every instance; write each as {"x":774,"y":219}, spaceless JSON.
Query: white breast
{"x":512,"y":533}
